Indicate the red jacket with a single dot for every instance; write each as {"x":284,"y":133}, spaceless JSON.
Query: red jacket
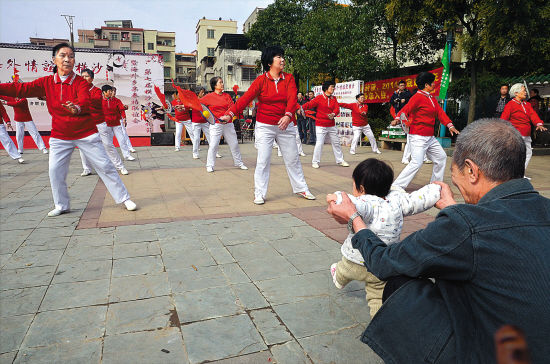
{"x":421,"y":111}
{"x":4,"y":117}
{"x":358,"y":113}
{"x":121,"y":107}
{"x":275,"y":98}
{"x":65,"y":125}
{"x":218,"y":104}
{"x":520,"y":114}
{"x":113,"y":109}
{"x":96,"y":105}
{"x":325,"y":105}
{"x":180,"y":115}
{"x":196,"y":117}
{"x":21,"y":110}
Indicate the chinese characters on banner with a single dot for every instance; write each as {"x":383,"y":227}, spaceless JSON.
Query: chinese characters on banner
{"x":381,"y":91}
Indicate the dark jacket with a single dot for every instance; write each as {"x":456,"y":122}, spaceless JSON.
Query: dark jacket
{"x":491,"y":264}
{"x":494,"y":104}
{"x":396,"y":98}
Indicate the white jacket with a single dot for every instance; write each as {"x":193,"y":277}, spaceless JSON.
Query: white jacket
{"x":384,"y":216}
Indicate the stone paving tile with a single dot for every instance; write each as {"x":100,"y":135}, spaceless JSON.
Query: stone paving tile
{"x":269,"y":326}
{"x":136,"y":250}
{"x":268,"y":268}
{"x":295,"y":288}
{"x":294,"y":246}
{"x":26,"y":277}
{"x":12,"y":239}
{"x":101,"y":239}
{"x":189,"y":279}
{"x":305,"y":232}
{"x":45,"y":233}
{"x":342,"y":346}
{"x":221,"y":255}
{"x":355,"y":304}
{"x":88,"y":351}
{"x":75,"y":294}
{"x":313,"y":261}
{"x":79,"y":271}
{"x":147,"y":314}
{"x":180,"y":246}
{"x":197,"y":258}
{"x":76,"y":324}
{"x":326,"y":243}
{"x":13,"y":331}
{"x":159,"y":346}
{"x":254,"y":358}
{"x":7,"y":358}
{"x":137,"y":287}
{"x":131,"y":236}
{"x":137,"y":265}
{"x":290,"y":352}
{"x":21,"y":301}
{"x":206,"y":304}
{"x":57,"y":242}
{"x":249,"y":296}
{"x":250,"y":251}
{"x":87,"y":253}
{"x":236,"y":336}
{"x":234,"y":273}
{"x":27,"y":257}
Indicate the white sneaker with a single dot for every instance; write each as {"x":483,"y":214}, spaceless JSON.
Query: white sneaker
{"x":209,"y":169}
{"x":45,"y":151}
{"x":344,"y":164}
{"x":130,"y":205}
{"x":279,"y":154}
{"x":176,"y":149}
{"x":20,"y":151}
{"x":427,"y":161}
{"x":218,"y":155}
{"x":352,"y":152}
{"x":302,"y":154}
{"x":130,"y":158}
{"x":133,"y":150}
{"x":527,"y":178}
{"x":57,"y":212}
{"x":315,"y":165}
{"x":378,"y":152}
{"x":21,"y":160}
{"x":195,"y":156}
{"x":333,"y":274}
{"x":405,"y":162}
{"x":307,"y":195}
{"x":259,"y":200}
{"x":243,"y":167}
{"x":123,"y":171}
{"x":85,"y":173}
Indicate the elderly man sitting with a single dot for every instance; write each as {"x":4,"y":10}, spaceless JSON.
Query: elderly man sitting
{"x":490,"y":259}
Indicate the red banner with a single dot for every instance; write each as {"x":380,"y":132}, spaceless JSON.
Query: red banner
{"x":381,"y":91}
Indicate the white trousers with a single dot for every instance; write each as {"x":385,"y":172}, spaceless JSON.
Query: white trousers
{"x":126,"y":137}
{"x":230,"y":136}
{"x":179,"y":131}
{"x":357,"y":131}
{"x":119,"y":134}
{"x":529,"y":150}
{"x":8,"y":143}
{"x":298,"y":145}
{"x":322,"y":132}
{"x":407,"y":152}
{"x":33,"y":131}
{"x":92,"y":147}
{"x":286,"y":139}
{"x":420,"y":147}
{"x":106,"y":133}
{"x":196,"y":140}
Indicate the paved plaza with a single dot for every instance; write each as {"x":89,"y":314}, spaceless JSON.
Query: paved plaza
{"x":198,"y":274}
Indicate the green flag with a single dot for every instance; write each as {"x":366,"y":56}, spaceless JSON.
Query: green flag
{"x":446,"y":73}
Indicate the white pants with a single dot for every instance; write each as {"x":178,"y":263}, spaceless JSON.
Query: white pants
{"x":321,"y":133}
{"x":31,"y":128}
{"x":407,"y":152}
{"x":230,"y":136}
{"x":92,"y":147}
{"x":179,"y":131}
{"x":286,"y":139}
{"x":298,"y":145}
{"x":119,"y":134}
{"x":8,"y":143}
{"x":420,"y":147}
{"x":106,"y":133}
{"x":196,"y":140}
{"x":357,"y":131}
{"x":529,"y":150}
{"x":126,"y":137}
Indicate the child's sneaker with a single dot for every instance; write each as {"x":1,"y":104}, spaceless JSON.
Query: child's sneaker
{"x":333,"y":274}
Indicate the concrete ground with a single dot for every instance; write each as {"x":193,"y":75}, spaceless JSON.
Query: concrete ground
{"x":198,"y":274}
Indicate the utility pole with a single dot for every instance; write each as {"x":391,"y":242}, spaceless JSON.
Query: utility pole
{"x":69,"y":19}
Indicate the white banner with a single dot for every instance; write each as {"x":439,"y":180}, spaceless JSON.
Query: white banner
{"x":134,"y":76}
{"x":344,"y":92}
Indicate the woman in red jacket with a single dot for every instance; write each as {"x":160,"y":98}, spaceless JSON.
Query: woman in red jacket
{"x":276,"y":93}
{"x":521,"y":115}
{"x":360,"y":123}
{"x":68,"y":101}
{"x":423,"y":109}
{"x":5,"y":139}
{"x":219,"y":102}
{"x":327,"y":109}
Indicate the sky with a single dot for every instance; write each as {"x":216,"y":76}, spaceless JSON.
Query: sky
{"x":21,"y":19}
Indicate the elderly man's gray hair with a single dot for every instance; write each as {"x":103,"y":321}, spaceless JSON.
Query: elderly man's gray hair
{"x":516,"y":87}
{"x":495,"y":146}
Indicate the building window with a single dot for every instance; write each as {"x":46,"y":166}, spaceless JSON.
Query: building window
{"x":167,"y":42}
{"x":167,"y":72}
{"x":151,"y":46}
{"x":179,"y":69}
{"x":248,"y":74}
{"x":211,"y":52}
{"x":210,"y":33}
{"x":90,"y":40}
{"x":230,"y":69}
{"x":114,"y":36}
{"x":136,"y":38}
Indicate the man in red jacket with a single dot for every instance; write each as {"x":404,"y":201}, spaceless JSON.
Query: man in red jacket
{"x":123,"y":125}
{"x":327,"y":109}
{"x":360,"y":123}
{"x":5,"y":139}
{"x":112,"y":111}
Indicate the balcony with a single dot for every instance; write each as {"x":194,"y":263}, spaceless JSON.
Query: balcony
{"x":165,"y":48}
{"x":101,"y":43}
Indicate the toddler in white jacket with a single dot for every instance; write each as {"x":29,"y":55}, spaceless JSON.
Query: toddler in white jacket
{"x":382,"y":208}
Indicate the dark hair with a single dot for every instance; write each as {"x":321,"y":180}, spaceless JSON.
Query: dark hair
{"x":300,"y":92}
{"x":358,"y":96}
{"x":505,"y":84}
{"x":401,"y":81}
{"x":327,"y":84}
{"x":106,"y":88}
{"x":269,"y":53}
{"x":311,"y":92}
{"x":56,"y":49}
{"x":89,"y":72}
{"x":198,"y":89}
{"x":535,"y":90}
{"x":424,"y":78}
{"x":214,"y":81}
{"x":374,"y":175}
